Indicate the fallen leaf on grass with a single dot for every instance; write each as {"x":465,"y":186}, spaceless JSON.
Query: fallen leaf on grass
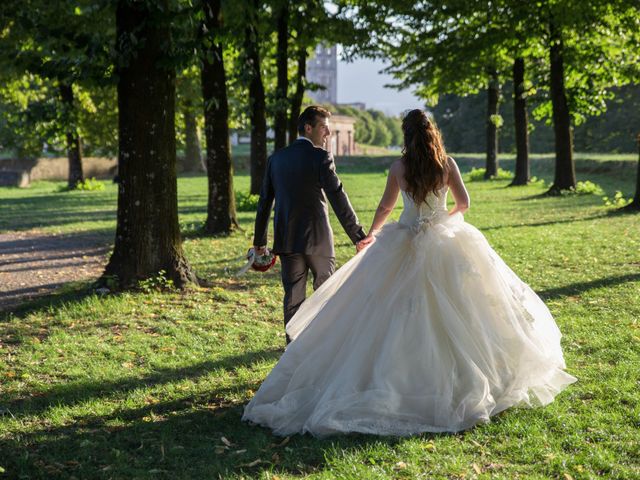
{"x":430,"y":446}
{"x":281,"y":444}
{"x":251,"y":464}
{"x":400,"y":466}
{"x":567,"y":477}
{"x":226,"y":442}
{"x":239,"y":452}
{"x":477,"y":468}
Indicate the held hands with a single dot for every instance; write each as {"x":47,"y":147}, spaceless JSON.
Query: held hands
{"x":260,"y":250}
{"x":365,"y":242}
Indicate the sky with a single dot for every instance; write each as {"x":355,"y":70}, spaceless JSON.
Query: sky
{"x":359,"y":81}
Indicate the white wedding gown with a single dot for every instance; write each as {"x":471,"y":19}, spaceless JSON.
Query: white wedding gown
{"x":427,"y":330}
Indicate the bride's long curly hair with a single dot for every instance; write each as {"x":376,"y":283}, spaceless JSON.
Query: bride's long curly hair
{"x":423,"y":155}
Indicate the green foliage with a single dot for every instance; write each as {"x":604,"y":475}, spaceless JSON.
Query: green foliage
{"x":587,"y":187}
{"x":91,"y":185}
{"x":382,"y":136}
{"x":394,"y":124}
{"x":477,"y":175}
{"x":88,"y":185}
{"x":158,"y":283}
{"x":617,"y":201}
{"x":245,"y":202}
{"x":461,"y":120}
{"x":373,"y":127}
{"x":539,"y":181}
{"x":449,"y":48}
{"x":27,"y":116}
{"x":497,"y":120}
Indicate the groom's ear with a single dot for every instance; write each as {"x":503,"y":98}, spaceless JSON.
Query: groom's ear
{"x":308,"y":128}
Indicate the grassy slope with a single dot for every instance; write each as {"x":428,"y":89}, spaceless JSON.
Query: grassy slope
{"x":146,"y":385}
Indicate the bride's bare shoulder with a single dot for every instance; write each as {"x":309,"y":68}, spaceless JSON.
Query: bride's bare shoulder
{"x":397,"y":167}
{"x":397,"y":170}
{"x":452,"y":167}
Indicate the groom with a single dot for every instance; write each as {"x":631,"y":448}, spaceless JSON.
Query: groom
{"x":300,"y":178}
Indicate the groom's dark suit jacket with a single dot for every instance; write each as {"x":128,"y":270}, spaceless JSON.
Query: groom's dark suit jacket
{"x":300,"y":178}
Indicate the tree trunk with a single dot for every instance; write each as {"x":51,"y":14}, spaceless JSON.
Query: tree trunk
{"x":221,"y":206}
{"x":147,"y":233}
{"x":192,"y":152}
{"x":565,"y":173}
{"x":493,"y":98}
{"x":521,"y":124}
{"x":635,"y":203}
{"x":257,"y":114}
{"x":74,"y":149}
{"x":280,"y":127}
{"x":296,"y":99}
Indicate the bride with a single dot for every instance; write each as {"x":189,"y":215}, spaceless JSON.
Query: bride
{"x":425,"y":330}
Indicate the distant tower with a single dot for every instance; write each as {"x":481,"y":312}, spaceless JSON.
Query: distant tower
{"x":322,"y":69}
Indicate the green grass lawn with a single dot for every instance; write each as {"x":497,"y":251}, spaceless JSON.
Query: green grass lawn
{"x":152,"y":385}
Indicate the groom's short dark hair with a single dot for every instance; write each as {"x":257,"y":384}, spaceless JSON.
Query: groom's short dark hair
{"x":310,"y":116}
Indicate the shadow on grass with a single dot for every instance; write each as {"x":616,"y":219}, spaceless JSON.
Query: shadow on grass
{"x":71,"y":292}
{"x":178,"y":438}
{"x":94,"y":241}
{"x":580,"y":287}
{"x":55,"y":210}
{"x":175,"y":439}
{"x":548,"y":222}
{"x":70,"y":394}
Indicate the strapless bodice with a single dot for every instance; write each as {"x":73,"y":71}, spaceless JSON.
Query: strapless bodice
{"x":433,"y":207}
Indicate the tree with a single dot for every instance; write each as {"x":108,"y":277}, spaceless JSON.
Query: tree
{"x":592,"y":46}
{"x":58,"y":43}
{"x":395,"y":128}
{"x":635,"y":203}
{"x":74,"y":149}
{"x":446,"y":47}
{"x":221,"y":208}
{"x":282,"y":63}
{"x":189,"y":101}
{"x":298,"y":95}
{"x":494,"y":122}
{"x":454,"y":47}
{"x":522,"y":171}
{"x":565,"y":172}
{"x":147,"y":234}
{"x":381,"y":134}
{"x":257,"y":103}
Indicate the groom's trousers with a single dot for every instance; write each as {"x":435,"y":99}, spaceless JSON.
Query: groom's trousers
{"x":295,"y":270}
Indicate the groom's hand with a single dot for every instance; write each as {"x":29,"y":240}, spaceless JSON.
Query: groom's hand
{"x":260,"y":250}
{"x":362,"y":244}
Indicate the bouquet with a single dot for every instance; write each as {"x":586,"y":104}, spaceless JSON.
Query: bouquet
{"x":261,"y":263}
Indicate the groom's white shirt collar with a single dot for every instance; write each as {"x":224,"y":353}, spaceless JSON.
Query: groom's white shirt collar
{"x":305,"y":138}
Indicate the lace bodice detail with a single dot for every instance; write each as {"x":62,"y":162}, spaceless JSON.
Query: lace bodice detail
{"x":434,"y":207}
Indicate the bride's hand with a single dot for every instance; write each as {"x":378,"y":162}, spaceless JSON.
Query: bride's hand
{"x":366,"y":241}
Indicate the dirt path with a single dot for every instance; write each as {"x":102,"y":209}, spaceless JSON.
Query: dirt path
{"x":34,"y":264}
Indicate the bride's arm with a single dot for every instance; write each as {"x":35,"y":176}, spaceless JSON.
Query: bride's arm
{"x":458,"y":190}
{"x":385,"y":207}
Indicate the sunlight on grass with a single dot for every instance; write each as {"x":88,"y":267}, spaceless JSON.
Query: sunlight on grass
{"x":152,"y":385}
